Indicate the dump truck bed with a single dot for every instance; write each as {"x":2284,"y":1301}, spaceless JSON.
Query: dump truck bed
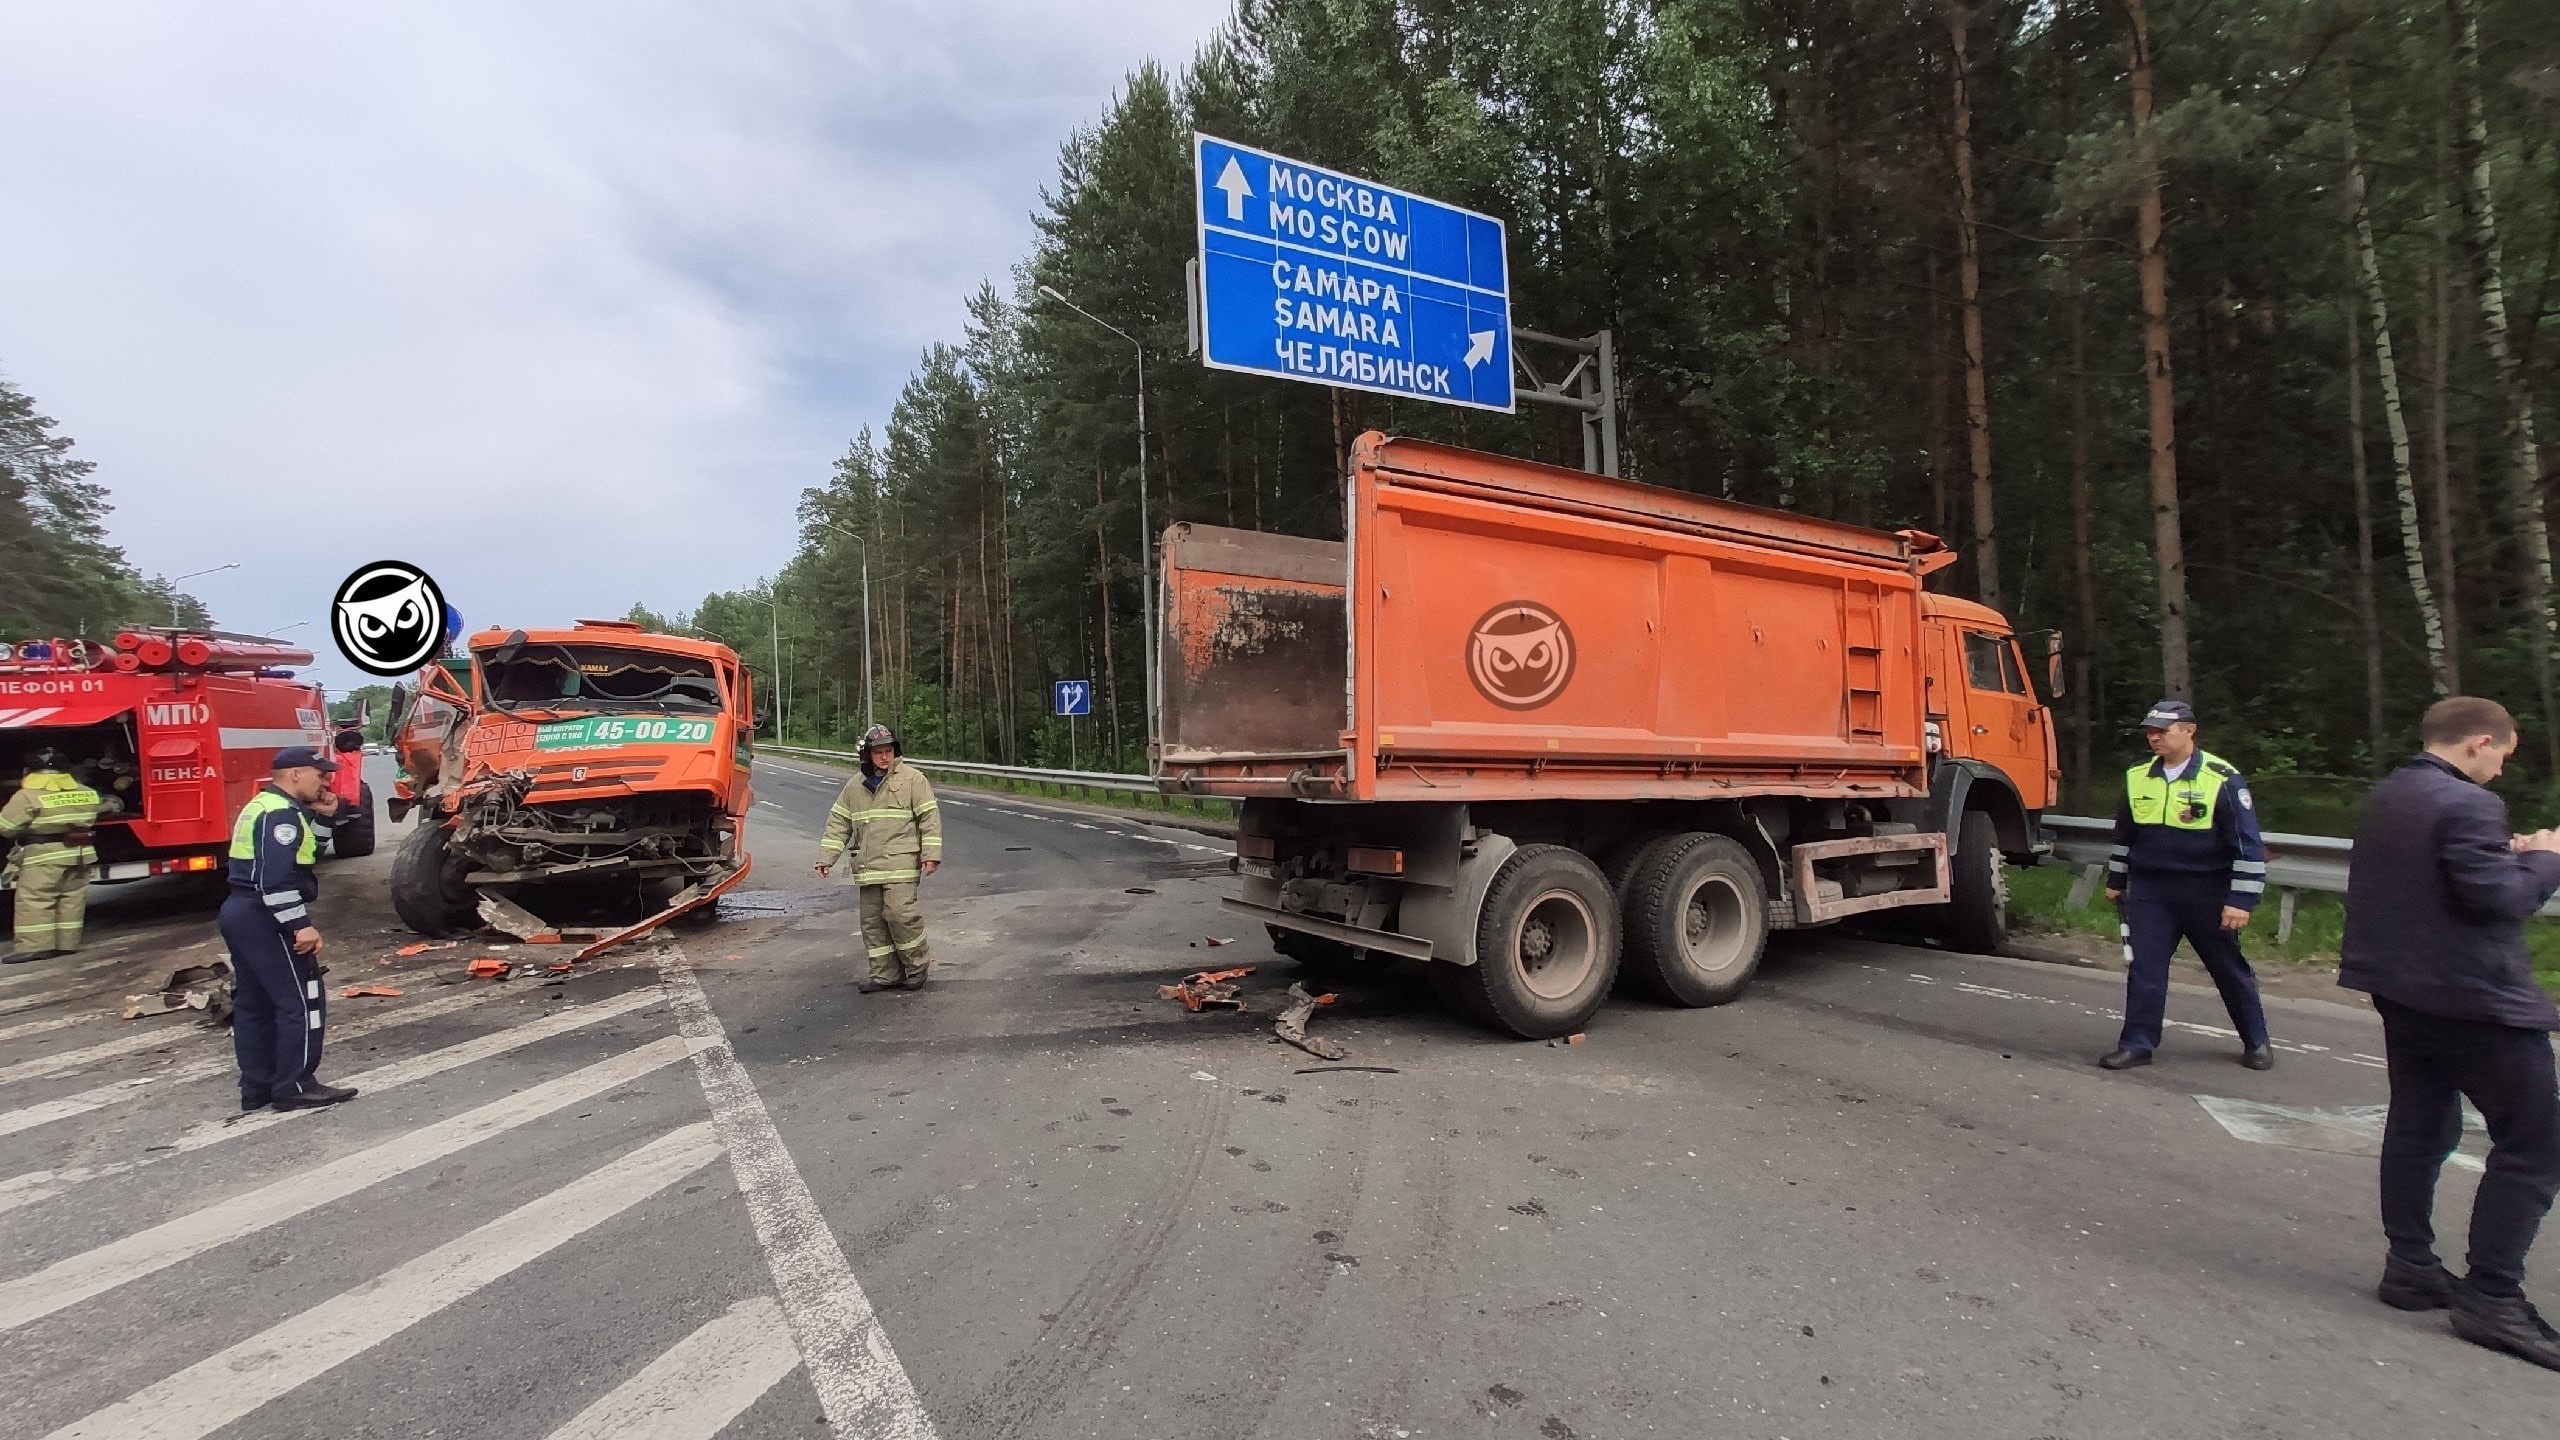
{"x":1495,"y":629}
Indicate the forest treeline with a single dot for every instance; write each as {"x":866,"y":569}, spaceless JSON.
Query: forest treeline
{"x":59,"y":575}
{"x":2211,"y":331}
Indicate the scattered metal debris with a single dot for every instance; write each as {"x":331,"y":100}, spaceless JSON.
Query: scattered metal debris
{"x":489,"y":967}
{"x":382,"y":992}
{"x":423,"y":946}
{"x":194,"y":987}
{"x":1292,"y":1024}
{"x":1204,"y":988}
{"x":1348,"y":1070}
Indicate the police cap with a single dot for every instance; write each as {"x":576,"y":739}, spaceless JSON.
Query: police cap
{"x":2165,"y":713}
{"x":296,"y":757}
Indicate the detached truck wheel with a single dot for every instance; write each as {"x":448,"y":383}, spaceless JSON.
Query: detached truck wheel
{"x":1697,"y":920}
{"x":355,"y":836}
{"x":1546,"y":946}
{"x":425,"y":893}
{"x":1976,"y":919}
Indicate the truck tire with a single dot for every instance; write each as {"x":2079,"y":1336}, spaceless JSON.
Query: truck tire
{"x":1546,"y":946}
{"x":1976,"y":919}
{"x":1697,"y":920}
{"x":425,"y":894}
{"x":355,"y":837}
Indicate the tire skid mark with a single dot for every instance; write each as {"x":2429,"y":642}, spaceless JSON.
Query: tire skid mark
{"x":1105,"y":1300}
{"x":1423,"y":1307}
{"x":1290,"y":1302}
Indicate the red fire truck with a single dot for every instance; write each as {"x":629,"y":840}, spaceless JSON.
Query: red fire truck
{"x":176,"y":726}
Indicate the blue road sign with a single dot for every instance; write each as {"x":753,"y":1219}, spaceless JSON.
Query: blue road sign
{"x":1073,"y":697}
{"x":1308,"y":274}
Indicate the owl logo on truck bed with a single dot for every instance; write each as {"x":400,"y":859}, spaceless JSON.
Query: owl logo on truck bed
{"x":1520,"y":655}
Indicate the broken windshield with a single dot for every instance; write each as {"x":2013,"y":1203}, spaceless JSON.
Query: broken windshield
{"x":596,"y":677}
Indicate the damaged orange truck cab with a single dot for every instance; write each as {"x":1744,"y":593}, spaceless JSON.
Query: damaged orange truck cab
{"x":604,"y":768}
{"x":1533,"y":726}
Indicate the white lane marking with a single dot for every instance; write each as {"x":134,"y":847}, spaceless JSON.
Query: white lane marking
{"x":30,"y":1116}
{"x":67,"y":1282}
{"x":151,"y":1037}
{"x":1993,"y":992}
{"x":12,"y":984}
{"x":35,"y":1185}
{"x":238,"y":1381}
{"x":862,"y":1388}
{"x":706,"y":1380}
{"x":38,"y":1027}
{"x":2345,"y":1130}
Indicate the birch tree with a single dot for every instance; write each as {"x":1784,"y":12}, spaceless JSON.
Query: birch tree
{"x":2413,"y":547}
{"x":2515,"y":387}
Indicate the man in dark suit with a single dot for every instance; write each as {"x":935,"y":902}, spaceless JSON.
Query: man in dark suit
{"x":2438,"y":891}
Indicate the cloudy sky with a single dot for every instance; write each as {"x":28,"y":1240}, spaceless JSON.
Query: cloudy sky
{"x":565,"y":300}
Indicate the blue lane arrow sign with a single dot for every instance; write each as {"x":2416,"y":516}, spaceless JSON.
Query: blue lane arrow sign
{"x":1073,"y":697}
{"x":1309,"y":274}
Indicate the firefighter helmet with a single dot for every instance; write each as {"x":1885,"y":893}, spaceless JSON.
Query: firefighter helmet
{"x":46,"y":757}
{"x":879,"y":735}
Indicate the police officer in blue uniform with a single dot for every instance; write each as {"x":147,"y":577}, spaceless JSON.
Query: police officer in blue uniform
{"x":279,"y":1014}
{"x":2188,"y":864}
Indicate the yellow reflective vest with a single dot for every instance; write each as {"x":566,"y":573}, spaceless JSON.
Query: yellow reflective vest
{"x":46,"y":815}
{"x":892,"y":830}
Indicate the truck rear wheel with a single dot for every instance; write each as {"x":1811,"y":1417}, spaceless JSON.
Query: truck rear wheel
{"x":1697,"y":920}
{"x":428,"y":897}
{"x":1546,"y":946}
{"x":354,"y":837}
{"x":1976,"y":919}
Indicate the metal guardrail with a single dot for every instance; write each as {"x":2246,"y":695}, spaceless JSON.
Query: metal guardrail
{"x":1098,"y":781}
{"x":2294,"y":862}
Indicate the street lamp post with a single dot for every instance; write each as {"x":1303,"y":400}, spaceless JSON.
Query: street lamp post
{"x":1146,"y":571}
{"x":865,"y":547}
{"x":190,"y":575}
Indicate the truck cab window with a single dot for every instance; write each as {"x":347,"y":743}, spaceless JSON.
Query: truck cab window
{"x":2013,"y":676}
{"x":1982,"y":655}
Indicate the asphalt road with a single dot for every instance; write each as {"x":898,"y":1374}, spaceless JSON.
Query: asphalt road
{"x":707,"y":1189}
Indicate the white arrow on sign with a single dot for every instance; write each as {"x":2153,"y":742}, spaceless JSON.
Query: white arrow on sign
{"x":1232,"y":181}
{"x":1479,"y":347}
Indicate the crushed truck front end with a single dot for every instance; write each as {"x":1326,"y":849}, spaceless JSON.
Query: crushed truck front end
{"x":600,"y":770}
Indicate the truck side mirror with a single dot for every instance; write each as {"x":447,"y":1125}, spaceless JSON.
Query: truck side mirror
{"x":397,"y":707}
{"x":2053,"y":665}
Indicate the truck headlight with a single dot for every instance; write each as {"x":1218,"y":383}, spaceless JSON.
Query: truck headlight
{"x":1932,"y":739}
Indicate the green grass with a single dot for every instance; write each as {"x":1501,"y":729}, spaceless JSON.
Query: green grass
{"x":2039,"y":900}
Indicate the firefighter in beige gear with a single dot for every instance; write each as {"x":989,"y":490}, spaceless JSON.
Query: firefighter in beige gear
{"x":892,"y":823}
{"x":48,"y":825}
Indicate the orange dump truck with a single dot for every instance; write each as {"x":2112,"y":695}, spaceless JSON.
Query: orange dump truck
{"x":1549,"y":731}
{"x":601,"y":771}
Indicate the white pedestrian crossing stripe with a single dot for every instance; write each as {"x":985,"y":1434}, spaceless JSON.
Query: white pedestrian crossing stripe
{"x":67,"y":1282}
{"x":215,"y":1391}
{"x":815,"y":1319}
{"x":37,"y":1185}
{"x":694,"y":1390}
{"x":217,"y":1059}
